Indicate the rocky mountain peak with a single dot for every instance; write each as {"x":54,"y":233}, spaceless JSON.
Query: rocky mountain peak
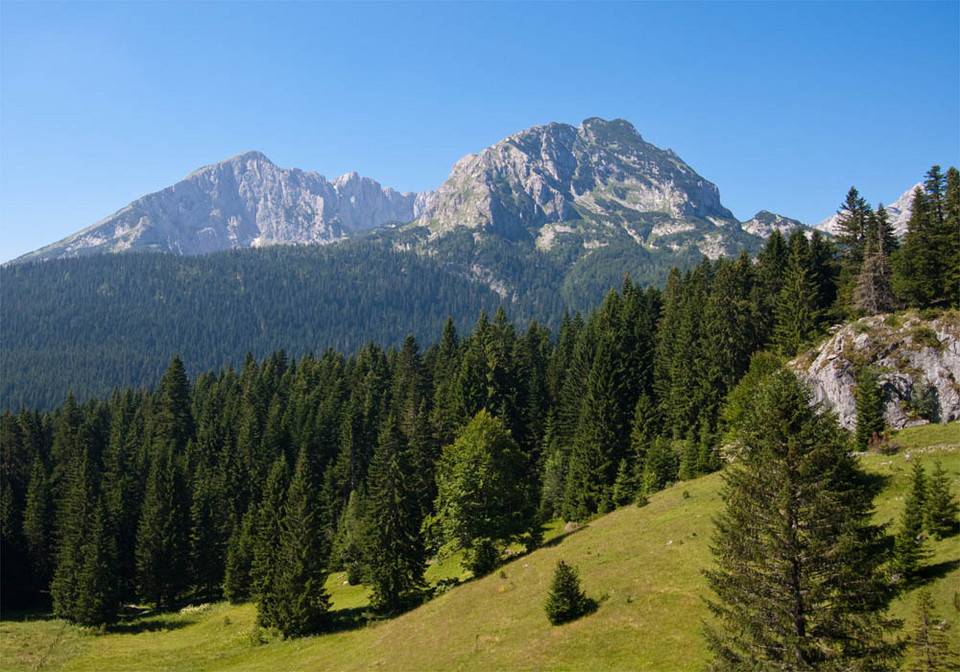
{"x":243,"y":201}
{"x":557,"y":173}
{"x":765,"y":222}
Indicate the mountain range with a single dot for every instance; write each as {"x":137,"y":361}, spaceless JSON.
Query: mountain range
{"x":541,"y":184}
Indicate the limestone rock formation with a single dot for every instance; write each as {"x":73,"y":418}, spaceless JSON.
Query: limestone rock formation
{"x":918,"y":361}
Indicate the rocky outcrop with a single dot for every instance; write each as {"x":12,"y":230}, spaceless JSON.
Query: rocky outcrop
{"x":918,"y":362}
{"x":601,"y":170}
{"x":244,"y":201}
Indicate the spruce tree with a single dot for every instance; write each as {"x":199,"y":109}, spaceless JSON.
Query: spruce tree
{"x":74,"y":520}
{"x":163,"y":533}
{"x":38,"y":522}
{"x":393,"y":554}
{"x":928,"y":649}
{"x":97,"y":595}
{"x":267,"y":532}
{"x":300,"y":600}
{"x":909,"y":543}
{"x":236,"y":577}
{"x":873,"y":291}
{"x":566,"y":601}
{"x":941,"y":508}
{"x":797,"y":304}
{"x":798,"y":577}
{"x":660,"y":466}
{"x":869,"y":402}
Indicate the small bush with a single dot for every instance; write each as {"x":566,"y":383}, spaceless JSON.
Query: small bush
{"x":566,"y":601}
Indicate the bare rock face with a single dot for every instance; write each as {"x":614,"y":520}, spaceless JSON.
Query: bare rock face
{"x":918,"y":362}
{"x":556,"y":173}
{"x":244,"y":201}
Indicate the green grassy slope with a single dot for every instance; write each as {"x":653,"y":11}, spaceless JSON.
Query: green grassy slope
{"x":642,"y":563}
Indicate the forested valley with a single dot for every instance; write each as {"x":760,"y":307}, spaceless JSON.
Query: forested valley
{"x":255,"y":483}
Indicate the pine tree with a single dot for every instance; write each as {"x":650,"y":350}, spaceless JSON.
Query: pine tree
{"x":798,"y":577}
{"x":797,"y":305}
{"x":300,"y":599}
{"x":162,"y":536}
{"x":941,"y":508}
{"x":97,"y":588}
{"x":267,"y":532}
{"x":625,"y":486}
{"x":928,"y":649}
{"x":852,"y":228}
{"x":38,"y":522}
{"x":75,"y":518}
{"x":660,"y":466}
{"x":394,"y":558}
{"x":237,"y":583}
{"x":869,"y":402}
{"x":566,"y":601}
{"x":909,"y":547}
{"x":208,"y":533}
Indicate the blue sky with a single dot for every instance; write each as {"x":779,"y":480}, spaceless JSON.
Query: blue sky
{"x":783,"y":105}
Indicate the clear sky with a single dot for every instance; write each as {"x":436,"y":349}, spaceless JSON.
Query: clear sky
{"x":783,"y":105}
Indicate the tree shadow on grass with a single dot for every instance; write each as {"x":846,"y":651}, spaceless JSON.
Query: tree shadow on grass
{"x":343,"y":620}
{"x":138,"y":626}
{"x":560,"y":537}
{"x":931,"y":573}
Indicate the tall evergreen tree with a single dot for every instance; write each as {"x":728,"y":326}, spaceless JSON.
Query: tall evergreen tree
{"x":162,"y":537}
{"x":300,"y":599}
{"x":394,"y":557}
{"x":796,"y":311}
{"x":798,"y":578}
{"x":869,"y":401}
{"x":909,"y":544}
{"x":38,"y":522}
{"x":267,"y":532}
{"x":941,"y":507}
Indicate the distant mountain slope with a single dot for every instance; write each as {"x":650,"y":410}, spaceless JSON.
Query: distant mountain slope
{"x":97,"y":322}
{"x":244,"y":201}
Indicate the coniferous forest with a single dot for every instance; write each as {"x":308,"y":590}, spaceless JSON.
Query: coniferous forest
{"x":255,"y":482}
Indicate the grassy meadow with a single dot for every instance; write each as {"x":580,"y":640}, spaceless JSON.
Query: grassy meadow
{"x":642,"y":564}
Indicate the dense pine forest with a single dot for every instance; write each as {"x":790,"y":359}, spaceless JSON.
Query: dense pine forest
{"x":255,"y":483}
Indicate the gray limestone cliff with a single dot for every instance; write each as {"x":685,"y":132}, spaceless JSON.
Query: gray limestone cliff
{"x":918,"y":361}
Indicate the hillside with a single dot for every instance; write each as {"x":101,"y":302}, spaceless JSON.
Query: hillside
{"x":643,"y":563}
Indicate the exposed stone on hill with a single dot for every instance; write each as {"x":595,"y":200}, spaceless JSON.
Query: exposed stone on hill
{"x":918,"y":361}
